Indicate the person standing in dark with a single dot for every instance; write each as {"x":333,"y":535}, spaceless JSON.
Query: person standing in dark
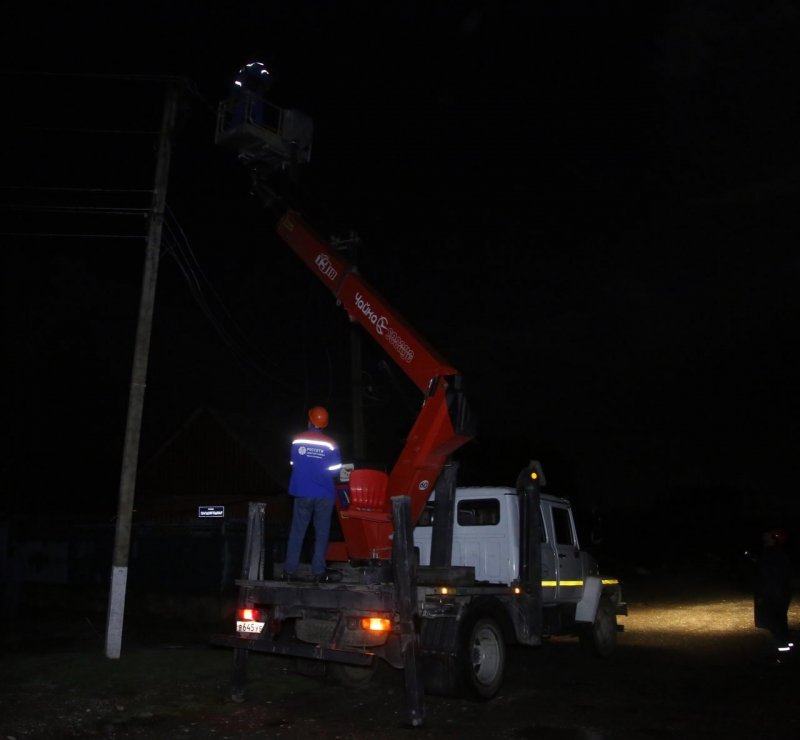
{"x":315,"y":461}
{"x":773,"y":589}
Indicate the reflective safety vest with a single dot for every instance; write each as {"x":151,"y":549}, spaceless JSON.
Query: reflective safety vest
{"x":315,"y":463}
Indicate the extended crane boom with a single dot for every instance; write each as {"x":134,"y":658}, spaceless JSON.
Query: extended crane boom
{"x":442,"y":426}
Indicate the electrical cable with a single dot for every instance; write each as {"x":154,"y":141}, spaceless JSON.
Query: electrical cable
{"x":243,"y":348}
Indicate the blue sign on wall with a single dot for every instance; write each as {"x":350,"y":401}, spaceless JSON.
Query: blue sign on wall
{"x":210,"y":512}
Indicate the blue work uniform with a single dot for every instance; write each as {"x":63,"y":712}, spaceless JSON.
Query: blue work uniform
{"x":315,"y":463}
{"x":250,"y":86}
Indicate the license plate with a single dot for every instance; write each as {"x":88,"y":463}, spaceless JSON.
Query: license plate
{"x":249,"y":626}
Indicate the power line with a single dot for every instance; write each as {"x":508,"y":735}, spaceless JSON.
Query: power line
{"x":243,"y":348}
{"x":49,"y":192}
{"x":70,"y":235}
{"x":189,"y":84}
{"x":62,"y":130}
{"x":116,"y":211}
{"x":62,"y":188}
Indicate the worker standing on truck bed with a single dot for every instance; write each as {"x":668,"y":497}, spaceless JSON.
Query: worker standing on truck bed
{"x":315,"y":461}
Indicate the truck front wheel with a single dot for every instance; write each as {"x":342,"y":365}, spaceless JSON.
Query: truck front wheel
{"x":600,"y":637}
{"x":483,"y":659}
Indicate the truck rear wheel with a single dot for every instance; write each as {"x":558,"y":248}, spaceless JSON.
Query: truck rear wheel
{"x":483,"y":659}
{"x":351,"y":676}
{"x":600,"y":637}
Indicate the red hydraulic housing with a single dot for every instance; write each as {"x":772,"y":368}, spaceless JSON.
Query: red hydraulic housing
{"x":442,"y":426}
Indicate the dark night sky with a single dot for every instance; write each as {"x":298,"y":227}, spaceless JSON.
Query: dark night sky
{"x":589,"y":209}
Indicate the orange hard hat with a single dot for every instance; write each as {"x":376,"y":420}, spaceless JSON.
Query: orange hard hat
{"x":318,"y":416}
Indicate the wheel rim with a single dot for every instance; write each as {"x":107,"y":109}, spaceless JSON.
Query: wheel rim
{"x":485,"y":655}
{"x":354,"y":676}
{"x":603,"y":633}
{"x":605,"y":629}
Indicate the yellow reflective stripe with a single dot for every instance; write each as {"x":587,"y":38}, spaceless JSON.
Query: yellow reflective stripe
{"x":553,"y":584}
{"x":610,"y":582}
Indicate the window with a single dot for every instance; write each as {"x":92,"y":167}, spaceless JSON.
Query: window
{"x":562,"y":526}
{"x":479,"y":513}
{"x":426,"y":517}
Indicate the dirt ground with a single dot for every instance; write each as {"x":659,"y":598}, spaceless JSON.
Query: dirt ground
{"x":689,"y":664}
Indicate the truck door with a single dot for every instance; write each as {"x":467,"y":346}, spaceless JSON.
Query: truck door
{"x":549,"y":559}
{"x":568,"y":563}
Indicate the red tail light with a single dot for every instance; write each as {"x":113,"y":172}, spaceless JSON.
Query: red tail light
{"x":250,"y":615}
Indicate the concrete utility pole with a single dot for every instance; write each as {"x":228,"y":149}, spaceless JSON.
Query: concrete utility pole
{"x":130,"y":455}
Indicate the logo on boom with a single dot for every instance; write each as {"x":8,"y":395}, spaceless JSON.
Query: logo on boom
{"x":381,"y":324}
{"x":323,"y":262}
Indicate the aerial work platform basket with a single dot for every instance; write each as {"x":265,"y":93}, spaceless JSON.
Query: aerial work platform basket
{"x":260,"y":131}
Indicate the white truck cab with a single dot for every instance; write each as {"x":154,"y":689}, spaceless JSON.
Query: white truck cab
{"x":486,"y":536}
